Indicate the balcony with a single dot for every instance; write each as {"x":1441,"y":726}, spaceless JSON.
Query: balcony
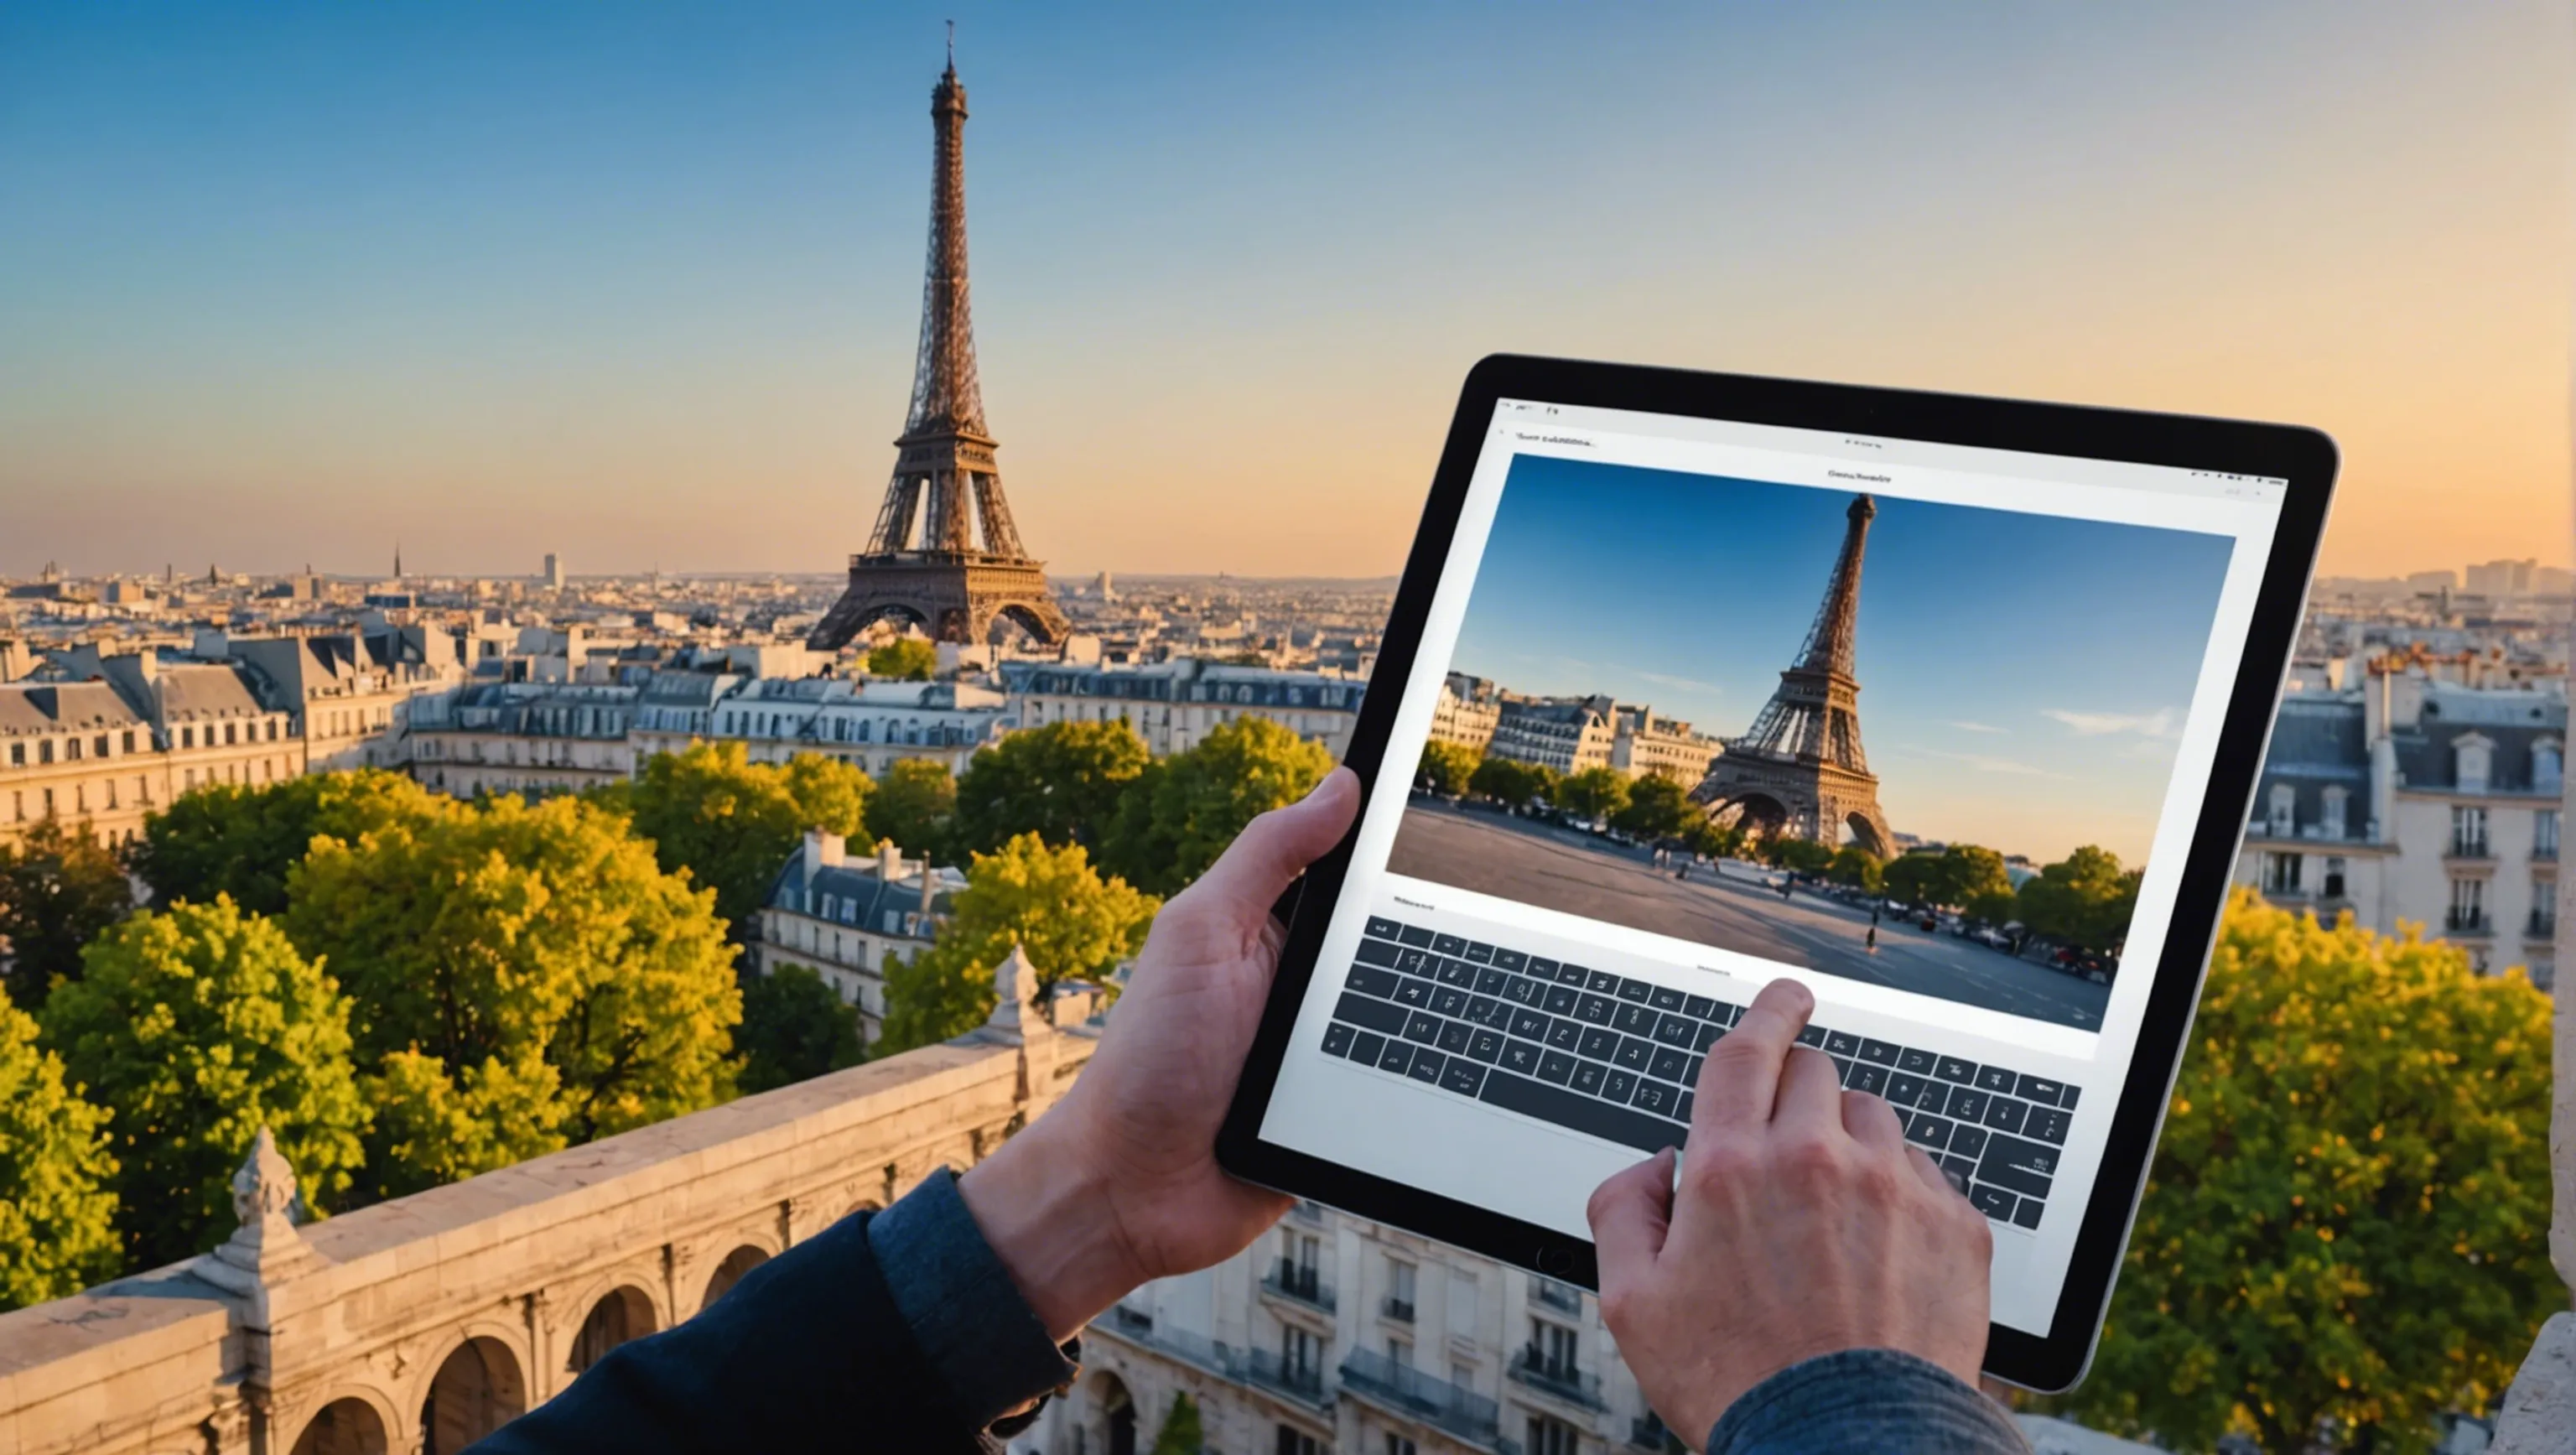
{"x":2468,"y":846}
{"x":1137,"y":1327}
{"x":1557,"y":1378}
{"x":1564,"y":1297}
{"x":1303,"y":1383}
{"x":2473,"y":922}
{"x":1398,"y":1309}
{"x":1426,"y":1397}
{"x":1298,"y":1283}
{"x":2545,"y":853}
{"x":2543,"y":925}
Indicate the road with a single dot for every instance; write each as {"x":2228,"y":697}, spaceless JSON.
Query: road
{"x":1553,"y":868}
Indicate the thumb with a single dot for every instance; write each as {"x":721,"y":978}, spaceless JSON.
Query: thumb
{"x":1629,"y":1214}
{"x":1277,"y":846}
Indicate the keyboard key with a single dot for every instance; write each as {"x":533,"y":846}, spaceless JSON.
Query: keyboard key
{"x":1991,"y":1168}
{"x":1699,"y":1007}
{"x":1595,"y":1009}
{"x":1397,"y":1056}
{"x":1449,"y":1001}
{"x":1369,"y":980}
{"x":1427,"y":1066}
{"x":1455,"y":1035}
{"x":1842,"y":1069}
{"x":1530,"y":1025}
{"x":1480,"y":953}
{"x":1416,"y":962}
{"x":1841,"y":1043}
{"x":1543,"y":967}
{"x":1457,"y":972}
{"x":1690,"y":1070}
{"x":1587,"y":1077}
{"x":1951,"y":1068}
{"x":1413,"y":994}
{"x":2023,"y":1155}
{"x":1683,"y":1111}
{"x":1521,"y":990}
{"x":1556,"y":1066}
{"x":1366,"y":1047}
{"x":1383,"y":929}
{"x":1677,"y":1030}
{"x":1562,"y":999}
{"x":1520,"y":1056}
{"x":2027,"y":1215}
{"x":2006,"y":1116}
{"x":1902,"y":1089}
{"x":1872,"y":1079}
{"x":1574,"y":975}
{"x":1490,"y":981}
{"x":1995,"y":1078}
{"x":1928,"y":1132}
{"x":1812,"y":1036}
{"x":2049,"y":1125}
{"x":1916,"y":1063}
{"x":1656,"y":1097}
{"x":1707,"y":1036}
{"x":1376,"y":1015}
{"x":1494,"y":1013}
{"x":1565,"y":1035}
{"x":1669,"y":1065}
{"x":1449,"y":944}
{"x":1636,"y":1020}
{"x":1378,"y":952}
{"x":1664,"y":997}
{"x":1634,"y":1054}
{"x":1584,"y":1114}
{"x":2046,"y":1093}
{"x":2068,"y":1101}
{"x":1510,"y":959}
{"x":1878,"y":1053}
{"x":1422,"y":1028}
{"x":1636,"y":990}
{"x":1968,"y":1141}
{"x":1463,"y":1077}
{"x":1994,"y":1202}
{"x":1602,"y":982}
{"x":1958,"y":1170}
{"x":1618,"y":1086}
{"x":1968,"y":1104}
{"x":1729,"y":1014}
{"x":1415,"y":935}
{"x":1337,"y":1039}
{"x":1598,"y":1044}
{"x":1486,"y":1046}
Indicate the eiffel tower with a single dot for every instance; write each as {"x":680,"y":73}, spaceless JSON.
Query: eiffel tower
{"x":956,"y":583}
{"x":1799,"y":770}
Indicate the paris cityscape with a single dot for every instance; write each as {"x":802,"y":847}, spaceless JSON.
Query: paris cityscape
{"x":851,"y":865}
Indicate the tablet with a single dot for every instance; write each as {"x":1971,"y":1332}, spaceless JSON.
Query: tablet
{"x":1950,"y":708}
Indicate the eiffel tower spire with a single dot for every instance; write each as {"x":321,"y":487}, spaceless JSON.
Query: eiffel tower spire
{"x":966,"y":568}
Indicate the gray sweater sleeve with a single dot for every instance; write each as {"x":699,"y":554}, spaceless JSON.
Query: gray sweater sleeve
{"x":1865,"y":1402}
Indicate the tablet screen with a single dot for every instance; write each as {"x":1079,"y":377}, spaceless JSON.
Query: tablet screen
{"x":1699,"y":704}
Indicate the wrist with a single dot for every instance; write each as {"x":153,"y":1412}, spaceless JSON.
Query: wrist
{"x":1047,"y":1215}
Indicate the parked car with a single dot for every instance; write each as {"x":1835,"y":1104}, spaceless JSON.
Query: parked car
{"x":1991,"y":937}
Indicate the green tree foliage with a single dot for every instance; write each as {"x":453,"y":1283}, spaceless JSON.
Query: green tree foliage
{"x":58,"y":889}
{"x":1965,"y":876}
{"x":1857,"y":867}
{"x":552,"y":981}
{"x":1705,"y":835}
{"x":1447,"y":767}
{"x":2085,"y":898}
{"x":915,"y":805}
{"x":2345,"y":1229}
{"x":1593,"y":793}
{"x":793,"y":1029}
{"x":1658,"y":807}
{"x":1182,"y":1432}
{"x":234,"y":839}
{"x":1509,"y":781}
{"x":1049,"y":901}
{"x":57,"y":1212}
{"x":730,"y":823}
{"x":1806,"y":856}
{"x":906,"y":659}
{"x":1182,"y":812}
{"x":195,"y":1027}
{"x":1061,"y":782}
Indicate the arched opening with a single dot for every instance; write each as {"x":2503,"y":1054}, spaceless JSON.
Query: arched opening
{"x":1028,"y":623}
{"x":343,"y":1427}
{"x":1865,"y":834}
{"x":728,"y":1273}
{"x":621,"y":1314}
{"x":1759,"y":815}
{"x":477,"y":1391}
{"x":1119,"y":1411}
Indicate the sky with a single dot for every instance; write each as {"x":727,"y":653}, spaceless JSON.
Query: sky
{"x":639,"y":282}
{"x":2024,"y":678}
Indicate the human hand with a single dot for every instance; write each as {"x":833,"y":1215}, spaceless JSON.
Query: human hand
{"x":1802,"y":1225}
{"x":1119,"y":1183}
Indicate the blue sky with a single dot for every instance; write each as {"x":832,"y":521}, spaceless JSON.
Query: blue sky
{"x":638,"y":281}
{"x":2023,"y":677}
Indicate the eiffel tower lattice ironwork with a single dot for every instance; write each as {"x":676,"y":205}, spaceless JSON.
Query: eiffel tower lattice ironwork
{"x":965,"y":570}
{"x":1799,"y":770}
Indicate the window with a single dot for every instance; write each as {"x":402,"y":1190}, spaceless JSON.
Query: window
{"x":1301,"y":1355}
{"x":1398,"y":1445}
{"x":1462,"y":1374}
{"x":2281,"y":873}
{"x":2283,"y":821}
{"x":45,"y":751}
{"x":2472,"y":761}
{"x":1549,"y":1436}
{"x":111,"y":793}
{"x":2548,"y":766}
{"x":1294,"y":1441}
{"x":72,"y":750}
{"x":98,"y":747}
{"x":2333,"y":888}
{"x":2468,"y":904}
{"x":2544,"y":834}
{"x":17,"y":755}
{"x":1552,"y":1349}
{"x":2335,"y":797}
{"x":1399,"y":1290}
{"x":1399,"y":1351}
{"x":2468,"y":831}
{"x":2544,"y":909}
{"x":229,"y":738}
{"x":187,"y":737}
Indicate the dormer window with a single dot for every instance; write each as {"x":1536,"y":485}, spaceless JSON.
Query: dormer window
{"x":2548,"y":765}
{"x":2334,"y":798}
{"x":2472,"y":762}
{"x":2285,"y":810}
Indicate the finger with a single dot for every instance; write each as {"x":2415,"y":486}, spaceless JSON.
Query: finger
{"x":1630,"y":1213}
{"x":1930,"y":1171}
{"x":1741,"y":1079}
{"x":1811,"y":1093}
{"x":1277,"y":846}
{"x":1872,"y":1122}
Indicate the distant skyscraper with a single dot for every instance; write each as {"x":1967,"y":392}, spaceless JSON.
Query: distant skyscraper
{"x":554,"y":572}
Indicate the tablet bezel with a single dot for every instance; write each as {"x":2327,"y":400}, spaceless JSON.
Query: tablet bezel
{"x":2304,"y":457}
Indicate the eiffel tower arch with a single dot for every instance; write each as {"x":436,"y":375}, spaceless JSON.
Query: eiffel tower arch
{"x":945,"y":555}
{"x":1799,"y":771}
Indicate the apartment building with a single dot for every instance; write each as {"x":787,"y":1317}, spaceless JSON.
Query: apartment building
{"x":522,"y":737}
{"x":1175,"y":704}
{"x":869,"y":724}
{"x":103,"y":752}
{"x":848,"y":919}
{"x":1466,"y":712}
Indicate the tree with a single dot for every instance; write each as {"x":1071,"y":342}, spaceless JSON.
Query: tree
{"x":1447,"y":767}
{"x":2345,"y":1228}
{"x":1182,"y":1432}
{"x":196,"y":1026}
{"x":1594,"y":793}
{"x":1913,"y":877}
{"x":793,"y":1029}
{"x":2084,"y":899}
{"x":1182,"y":812}
{"x":554,"y":983}
{"x":1061,"y":782}
{"x":57,"y":1209}
{"x":234,"y":839}
{"x":1855,"y":866}
{"x":906,"y":659}
{"x":58,"y":889}
{"x":1972,"y":873}
{"x":730,"y":823}
{"x":1658,"y":808}
{"x":1804,"y":856}
{"x":1048,"y":901}
{"x":1511,"y":782}
{"x":1705,"y":835}
{"x":915,"y":805}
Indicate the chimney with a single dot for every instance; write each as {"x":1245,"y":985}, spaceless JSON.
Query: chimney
{"x":889,"y":861}
{"x":822,"y":850}
{"x":929,"y":885}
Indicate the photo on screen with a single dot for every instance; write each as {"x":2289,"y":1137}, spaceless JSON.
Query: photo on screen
{"x":1916,"y":744}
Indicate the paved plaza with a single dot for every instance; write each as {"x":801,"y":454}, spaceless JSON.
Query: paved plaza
{"x":1561,"y":869}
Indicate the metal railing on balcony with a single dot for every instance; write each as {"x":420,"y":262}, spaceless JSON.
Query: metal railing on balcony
{"x":2542,"y":925}
{"x":2467,"y":922}
{"x":2469,"y":846}
{"x":1532,"y":1367}
{"x":1299,"y":1283}
{"x":1426,"y":1397}
{"x":1301,"y":1382}
{"x":1138,"y":1327}
{"x":1398,"y":1309}
{"x":1556,"y":1295}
